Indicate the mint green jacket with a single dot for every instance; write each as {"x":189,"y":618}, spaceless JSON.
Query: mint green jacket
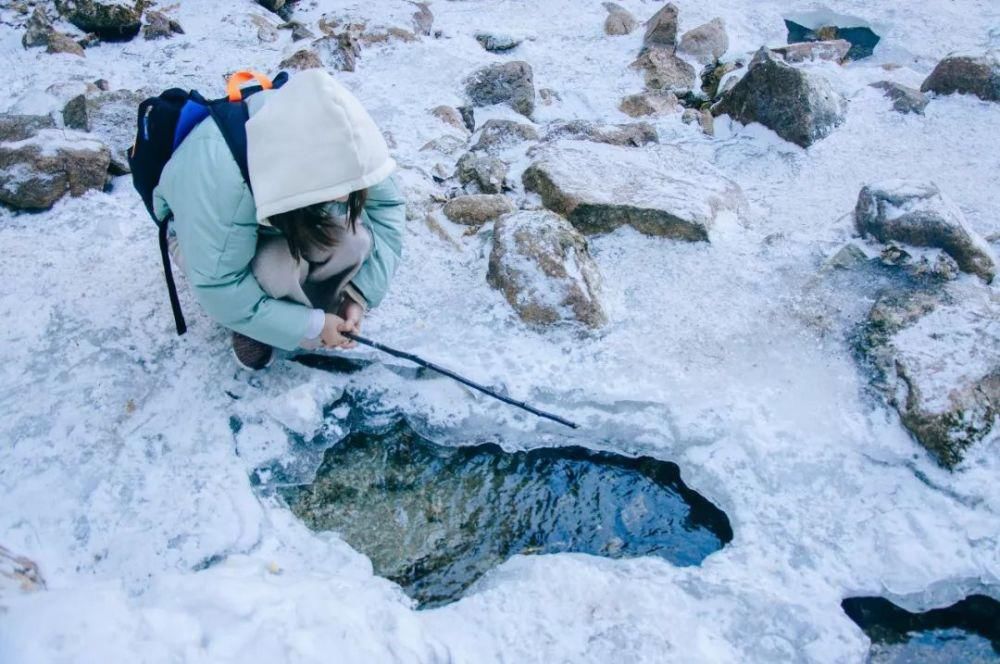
{"x":216,"y":225}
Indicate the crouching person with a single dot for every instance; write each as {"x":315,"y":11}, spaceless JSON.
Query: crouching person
{"x":299,"y":260}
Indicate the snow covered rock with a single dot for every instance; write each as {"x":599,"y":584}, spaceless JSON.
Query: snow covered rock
{"x":917,"y":214}
{"x":543,"y":268}
{"x":486,"y":173}
{"x":497,"y":43}
{"x":500,"y":134}
{"x":37,"y":29}
{"x":977,"y":75}
{"x":109,"y":19}
{"x":707,"y":43}
{"x":904,"y":98}
{"x":620,"y":21}
{"x":658,"y":190}
{"x":510,"y":83}
{"x":160,"y":26}
{"x":648,"y":103}
{"x":815,"y":26}
{"x":834,"y":50}
{"x":20,"y":127}
{"x":450,"y":116}
{"x":109,"y":115}
{"x":423,"y":19}
{"x":799,"y":107}
{"x":62,"y":43}
{"x":663,"y":70}
{"x":38,"y":171}
{"x":661,"y":29}
{"x":937,"y":359}
{"x":18,"y":573}
{"x":634,"y":134}
{"x":477,"y":209}
{"x":703,"y":119}
{"x":338,"y":51}
{"x":302,"y":59}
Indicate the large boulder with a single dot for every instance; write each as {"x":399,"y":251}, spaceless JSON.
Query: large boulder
{"x":483,"y":172}
{"x":664,"y":71}
{"x":38,"y":171}
{"x":661,"y":29}
{"x":499,"y":134}
{"x":510,"y":83}
{"x":541,"y":265}
{"x":917,"y":214}
{"x":619,"y":21}
{"x":707,"y":43}
{"x":109,"y":115}
{"x":658,"y":190}
{"x":904,"y":98}
{"x":634,"y":134}
{"x":936,"y":357}
{"x":799,"y":107}
{"x":111,"y":20}
{"x":477,"y":209}
{"x":966,"y":74}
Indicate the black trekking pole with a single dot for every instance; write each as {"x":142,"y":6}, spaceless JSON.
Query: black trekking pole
{"x":464,"y":381}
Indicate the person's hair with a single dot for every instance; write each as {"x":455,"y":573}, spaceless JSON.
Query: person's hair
{"x":311,"y":225}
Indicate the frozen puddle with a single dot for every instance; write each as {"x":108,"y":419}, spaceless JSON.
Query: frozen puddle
{"x":967,"y":632}
{"x":435,"y":518}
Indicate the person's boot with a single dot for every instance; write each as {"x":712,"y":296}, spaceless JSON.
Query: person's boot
{"x":251,"y":354}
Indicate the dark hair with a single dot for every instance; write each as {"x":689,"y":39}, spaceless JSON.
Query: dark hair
{"x":311,"y":225}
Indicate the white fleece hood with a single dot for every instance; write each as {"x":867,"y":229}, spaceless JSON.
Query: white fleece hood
{"x":312,"y":142}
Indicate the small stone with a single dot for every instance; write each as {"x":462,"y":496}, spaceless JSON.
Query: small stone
{"x":111,"y":20}
{"x":102,"y":85}
{"x":61,"y":43}
{"x":848,"y":257}
{"x":477,"y":209}
{"x":302,"y":59}
{"x":831,"y":51}
{"x":904,"y":99}
{"x":648,"y":103}
{"x":450,"y":116}
{"x":542,"y":266}
{"x":485,"y":172}
{"x":661,"y":29}
{"x":497,"y":43}
{"x":501,"y":134}
{"x":157,"y":26}
{"x":977,"y":75}
{"x":299,"y":30}
{"x":634,"y":134}
{"x":423,"y":19}
{"x":548,"y":96}
{"x":509,"y":83}
{"x":707,"y":43}
{"x":468,"y":117}
{"x":703,"y":119}
{"x":620,"y":21}
{"x":75,"y":114}
{"x":444,"y":144}
{"x":665,"y":71}
{"x":338,"y":51}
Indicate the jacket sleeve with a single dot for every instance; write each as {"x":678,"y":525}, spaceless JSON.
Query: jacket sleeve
{"x":385,"y":216}
{"x":216,"y":228}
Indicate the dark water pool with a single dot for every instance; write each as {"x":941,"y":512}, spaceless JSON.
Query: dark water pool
{"x":967,"y":632}
{"x":435,"y":518}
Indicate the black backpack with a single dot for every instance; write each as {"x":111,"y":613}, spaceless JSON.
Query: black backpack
{"x":165,"y":121}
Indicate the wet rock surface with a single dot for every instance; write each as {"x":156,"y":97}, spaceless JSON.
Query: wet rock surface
{"x":966,"y":632}
{"x":658,"y":190}
{"x":977,"y":75}
{"x":542,"y":266}
{"x":799,"y":107}
{"x":435,"y":518}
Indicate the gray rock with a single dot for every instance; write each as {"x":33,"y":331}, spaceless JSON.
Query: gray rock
{"x":661,"y":29}
{"x":302,"y":59}
{"x":423,"y":19}
{"x":486,"y":173}
{"x":160,"y":26}
{"x":904,"y":99}
{"x":497,"y":43}
{"x":848,"y":257}
{"x":543,"y":268}
{"x":299,"y":30}
{"x":37,"y":29}
{"x":450,"y":116}
{"x":111,"y":117}
{"x":834,"y":50}
{"x":444,"y":144}
{"x":272,"y":5}
{"x":977,"y":75}
{"x":509,"y":83}
{"x":619,"y":21}
{"x":713,"y":75}
{"x":19,"y":127}
{"x":38,"y":171}
{"x":75,"y":114}
{"x":501,"y":134}
{"x":658,"y":190}
{"x":936,"y":356}
{"x":635,"y":134}
{"x":915,"y":213}
{"x":111,"y":20}
{"x":707,"y":43}
{"x":338,"y":51}
{"x":799,"y":107}
{"x":648,"y":103}
{"x":664,"y":71}
{"x":468,"y":117}
{"x":477,"y":209}
{"x":62,"y":43}
{"x":704,"y":120}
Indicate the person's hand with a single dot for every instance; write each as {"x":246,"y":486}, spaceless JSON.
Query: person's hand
{"x":352,"y":313}
{"x":331,"y":335}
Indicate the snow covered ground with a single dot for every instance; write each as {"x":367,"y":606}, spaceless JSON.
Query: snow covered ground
{"x":121,"y":476}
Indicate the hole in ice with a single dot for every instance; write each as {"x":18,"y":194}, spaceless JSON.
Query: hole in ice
{"x":967,"y":631}
{"x":434,"y":518}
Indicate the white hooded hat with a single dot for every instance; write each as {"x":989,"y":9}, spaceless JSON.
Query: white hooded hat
{"x":312,"y":142}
